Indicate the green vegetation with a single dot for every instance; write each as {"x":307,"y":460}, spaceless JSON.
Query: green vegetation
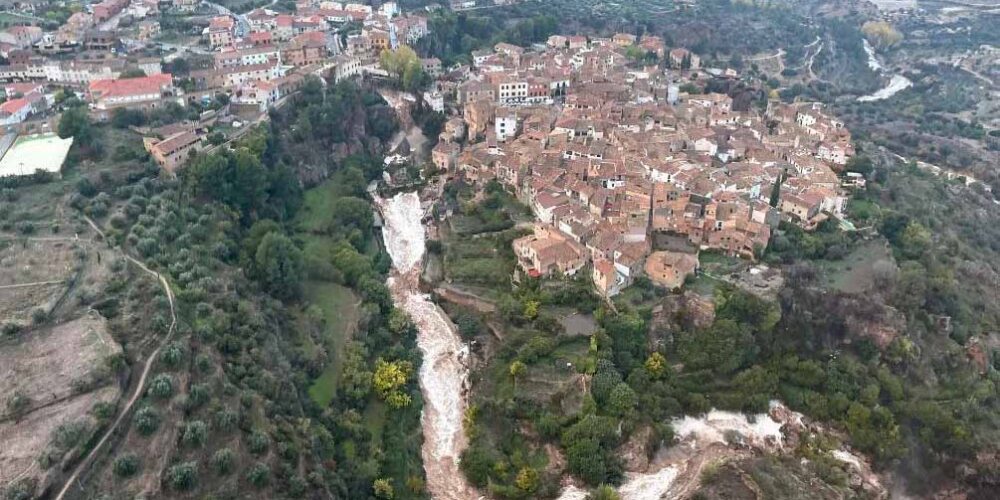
{"x":340,"y":313}
{"x":404,"y":66}
{"x":453,"y":37}
{"x":893,"y":393}
{"x":283,"y":314}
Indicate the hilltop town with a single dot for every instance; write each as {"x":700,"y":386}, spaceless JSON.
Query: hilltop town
{"x":220,"y":73}
{"x":628,"y":169}
{"x":531,"y":248}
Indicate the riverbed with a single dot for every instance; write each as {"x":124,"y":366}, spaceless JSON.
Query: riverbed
{"x":444,"y":371}
{"x":896,"y":83}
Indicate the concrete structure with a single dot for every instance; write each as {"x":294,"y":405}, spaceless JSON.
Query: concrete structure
{"x":32,"y":153}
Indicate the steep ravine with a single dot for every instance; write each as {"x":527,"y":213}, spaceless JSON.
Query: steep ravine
{"x":443,"y":373}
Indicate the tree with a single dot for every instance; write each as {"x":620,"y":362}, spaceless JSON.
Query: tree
{"x":517,"y":370}
{"x":656,"y":365}
{"x":237,"y":179}
{"x":776,"y":192}
{"x":881,"y":34}
{"x":383,"y":489}
{"x":124,"y":118}
{"x":404,"y":65}
{"x":279,"y":266}
{"x":132,"y":73}
{"x":147,"y":420}
{"x":531,"y":309}
{"x":914,"y":241}
{"x":183,"y":476}
{"x":126,"y":465}
{"x":258,"y":442}
{"x":398,"y":321}
{"x":162,"y":386}
{"x":194,"y":433}
{"x":622,"y":400}
{"x":527,"y":479}
{"x":259,"y":475}
{"x":586,"y":459}
{"x":389,"y":379}
{"x":222,"y":461}
{"x":75,"y":123}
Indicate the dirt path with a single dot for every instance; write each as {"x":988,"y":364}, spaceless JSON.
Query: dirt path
{"x":812,"y":57}
{"x":140,"y":386}
{"x":36,"y":283}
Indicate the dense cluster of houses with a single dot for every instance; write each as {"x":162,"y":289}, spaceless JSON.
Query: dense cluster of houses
{"x":627,"y":175}
{"x":257,"y":58}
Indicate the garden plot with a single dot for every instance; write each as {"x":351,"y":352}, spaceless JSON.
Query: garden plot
{"x":34,"y":274}
{"x":24,"y":440}
{"x":53,"y":363}
{"x":50,"y":380}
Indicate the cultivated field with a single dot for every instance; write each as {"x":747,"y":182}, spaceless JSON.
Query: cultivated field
{"x":50,"y":380}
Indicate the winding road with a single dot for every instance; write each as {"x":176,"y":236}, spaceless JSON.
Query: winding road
{"x":140,"y":386}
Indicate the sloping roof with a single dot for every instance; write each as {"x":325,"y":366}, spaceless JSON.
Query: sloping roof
{"x":13,"y":106}
{"x":130,"y":86}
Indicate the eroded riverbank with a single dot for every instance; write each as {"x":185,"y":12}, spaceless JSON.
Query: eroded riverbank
{"x":444,"y":371}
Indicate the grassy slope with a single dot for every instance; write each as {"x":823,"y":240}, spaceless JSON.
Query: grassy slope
{"x":338,"y":304}
{"x":340,"y":311}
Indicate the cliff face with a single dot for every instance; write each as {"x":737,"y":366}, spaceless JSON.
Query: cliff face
{"x":325,"y":126}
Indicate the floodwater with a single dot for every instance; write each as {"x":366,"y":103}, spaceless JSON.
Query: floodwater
{"x":896,"y":82}
{"x":444,"y":372}
{"x":677,"y":469}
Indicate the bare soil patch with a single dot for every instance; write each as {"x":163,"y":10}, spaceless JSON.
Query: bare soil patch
{"x":34,"y":274}
{"x":57,"y":374}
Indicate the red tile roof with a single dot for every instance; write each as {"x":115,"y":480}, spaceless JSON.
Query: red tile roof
{"x":130,"y":86}
{"x":12,"y":106}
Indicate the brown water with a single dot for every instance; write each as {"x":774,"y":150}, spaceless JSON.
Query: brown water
{"x":444,"y":371}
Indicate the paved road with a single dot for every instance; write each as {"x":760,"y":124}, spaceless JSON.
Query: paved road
{"x":141,"y":385}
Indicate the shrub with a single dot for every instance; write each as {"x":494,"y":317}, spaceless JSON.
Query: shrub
{"x":38,"y":316}
{"x":198,"y":395}
{"x":183,"y":476}
{"x":259,"y":475}
{"x":195,"y":433}
{"x":222,"y":461}
{"x":126,"y":465}
{"x":257,"y":442}
{"x":147,"y":420}
{"x":173,"y":354}
{"x":162,"y":386}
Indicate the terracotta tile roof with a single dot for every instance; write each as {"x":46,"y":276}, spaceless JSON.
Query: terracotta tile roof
{"x":130,"y":86}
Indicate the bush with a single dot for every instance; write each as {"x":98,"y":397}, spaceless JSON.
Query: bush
{"x":257,"y":442}
{"x":18,"y":402}
{"x":147,"y":420}
{"x":222,"y":461}
{"x":183,"y":476}
{"x":173,"y":354}
{"x":38,"y":316}
{"x":162,"y":386}
{"x":126,"y":465}
{"x":195,"y":433}
{"x":259,"y":475}
{"x":198,"y":396}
